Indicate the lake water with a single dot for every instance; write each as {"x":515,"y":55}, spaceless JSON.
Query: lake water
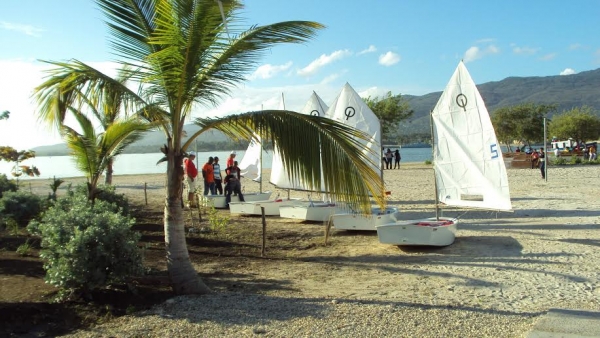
{"x":129,"y":164}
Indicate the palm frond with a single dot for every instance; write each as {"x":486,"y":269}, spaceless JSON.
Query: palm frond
{"x":312,"y":148}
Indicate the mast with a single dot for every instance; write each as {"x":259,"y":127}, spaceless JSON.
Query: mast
{"x":260,"y":187}
{"x":437,"y":201}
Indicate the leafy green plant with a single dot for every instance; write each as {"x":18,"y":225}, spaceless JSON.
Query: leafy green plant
{"x":559,"y":161}
{"x":11,"y":225}
{"x":428,"y":162}
{"x":20,"y":206}
{"x":6,"y":184}
{"x":24,"y":249}
{"x":575,"y":160}
{"x":217,"y":222}
{"x":54,"y":185}
{"x":85,"y":247}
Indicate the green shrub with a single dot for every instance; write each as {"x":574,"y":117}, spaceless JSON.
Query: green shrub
{"x":428,"y":162}
{"x":6,"y":184}
{"x":559,"y":161}
{"x":575,"y":160}
{"x":107,"y":193}
{"x":20,"y":206}
{"x":86,"y":248}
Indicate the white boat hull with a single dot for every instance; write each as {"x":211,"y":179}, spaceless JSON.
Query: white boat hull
{"x":318,"y":212}
{"x":253,"y":208}
{"x":218,"y":201}
{"x":354,"y":221}
{"x":427,"y":232}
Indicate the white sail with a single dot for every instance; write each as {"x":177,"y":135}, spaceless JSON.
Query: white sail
{"x":350,"y":109}
{"x":250,"y":166}
{"x":279,"y":177}
{"x":468,"y":162}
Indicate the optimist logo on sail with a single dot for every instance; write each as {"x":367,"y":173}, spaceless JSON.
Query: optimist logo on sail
{"x":461,"y":101}
{"x":349,"y":112}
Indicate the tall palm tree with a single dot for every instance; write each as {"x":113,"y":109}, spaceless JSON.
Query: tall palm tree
{"x":187,"y":54}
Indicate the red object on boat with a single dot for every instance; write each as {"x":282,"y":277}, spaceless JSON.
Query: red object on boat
{"x":435,"y":223}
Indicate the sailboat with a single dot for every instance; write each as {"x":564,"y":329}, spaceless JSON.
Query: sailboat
{"x":350,"y":109}
{"x":467,"y":161}
{"x":249,"y":166}
{"x":279,"y":176}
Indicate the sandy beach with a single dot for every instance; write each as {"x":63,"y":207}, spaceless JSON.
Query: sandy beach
{"x":503,"y":271}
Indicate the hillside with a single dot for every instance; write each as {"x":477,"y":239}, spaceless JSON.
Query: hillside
{"x":566,"y":91}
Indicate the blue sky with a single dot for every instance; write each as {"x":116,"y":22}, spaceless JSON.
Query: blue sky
{"x":406,"y":47}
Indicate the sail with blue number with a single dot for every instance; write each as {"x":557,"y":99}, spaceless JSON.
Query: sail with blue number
{"x":468,"y":163}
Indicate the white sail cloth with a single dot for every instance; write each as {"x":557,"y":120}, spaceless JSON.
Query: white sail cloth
{"x":469,"y":166}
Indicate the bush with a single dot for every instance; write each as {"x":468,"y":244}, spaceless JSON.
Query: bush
{"x":6,"y":184}
{"x":575,"y":160}
{"x":86,"y":248}
{"x":108,"y":194}
{"x":559,"y":161}
{"x":20,"y":206}
{"x":428,"y":162}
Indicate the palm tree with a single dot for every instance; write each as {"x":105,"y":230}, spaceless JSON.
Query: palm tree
{"x":68,"y":91}
{"x":185,"y":54}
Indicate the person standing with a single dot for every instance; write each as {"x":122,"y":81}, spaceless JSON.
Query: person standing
{"x":233,"y":183}
{"x":191,"y":172}
{"x":388,"y":158}
{"x":397,"y":159}
{"x":218,"y":178}
{"x":593,"y":154}
{"x":230,"y":160}
{"x":208,"y":173}
{"x":542,"y":162}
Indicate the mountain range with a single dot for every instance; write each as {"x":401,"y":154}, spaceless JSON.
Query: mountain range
{"x":566,"y":91}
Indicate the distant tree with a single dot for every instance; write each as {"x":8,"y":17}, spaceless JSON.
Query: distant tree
{"x":10,"y":154}
{"x":522,"y":123}
{"x":390,"y":110}
{"x":581,"y":123}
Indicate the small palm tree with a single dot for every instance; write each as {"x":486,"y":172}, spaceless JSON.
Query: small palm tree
{"x":186,"y":54}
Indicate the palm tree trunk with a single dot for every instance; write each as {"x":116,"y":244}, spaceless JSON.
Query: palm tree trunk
{"x":109,"y":172}
{"x":184,"y":278}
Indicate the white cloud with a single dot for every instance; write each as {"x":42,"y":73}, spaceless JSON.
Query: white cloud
{"x":25,"y":29}
{"x":371,"y":49}
{"x":548,"y":57}
{"x":268,"y":71}
{"x":575,"y":46}
{"x":323,"y":60}
{"x":568,"y":71}
{"x":22,"y":130}
{"x":389,"y":59}
{"x":524,"y":50}
{"x":474,"y":53}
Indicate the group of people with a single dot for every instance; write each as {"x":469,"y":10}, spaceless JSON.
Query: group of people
{"x":212,"y":176}
{"x":388,"y":157}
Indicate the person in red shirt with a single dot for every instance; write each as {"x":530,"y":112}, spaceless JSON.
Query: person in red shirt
{"x":230,"y":159}
{"x":208,"y":173}
{"x":190,"y":172}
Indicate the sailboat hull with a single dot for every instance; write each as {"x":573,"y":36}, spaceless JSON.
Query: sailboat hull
{"x":426,"y":232}
{"x":355,"y":221}
{"x":317,"y":212}
{"x":218,"y":201}
{"x":254,"y":208}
